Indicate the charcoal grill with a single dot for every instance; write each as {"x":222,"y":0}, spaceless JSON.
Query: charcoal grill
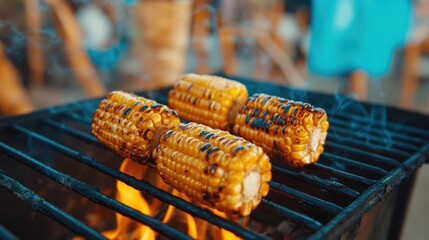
{"x":359,"y":188}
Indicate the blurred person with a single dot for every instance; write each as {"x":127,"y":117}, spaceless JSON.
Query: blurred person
{"x":357,"y":38}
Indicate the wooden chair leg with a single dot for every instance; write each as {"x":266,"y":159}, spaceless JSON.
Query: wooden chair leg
{"x":227,"y":36}
{"x":36,"y":63}
{"x":359,"y":84}
{"x":77,"y":57}
{"x":410,"y":77}
{"x":13,"y":97}
{"x":200,"y":34}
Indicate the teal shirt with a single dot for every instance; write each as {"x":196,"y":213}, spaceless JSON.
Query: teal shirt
{"x":348,"y":35}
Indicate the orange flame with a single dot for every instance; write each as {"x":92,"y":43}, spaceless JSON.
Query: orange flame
{"x":129,"y":229}
{"x":131,"y":197}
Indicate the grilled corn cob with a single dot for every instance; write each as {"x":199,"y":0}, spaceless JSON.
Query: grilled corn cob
{"x":208,"y":100}
{"x":291,"y":131}
{"x":127,"y":124}
{"x":213,"y":167}
{"x":285,"y":129}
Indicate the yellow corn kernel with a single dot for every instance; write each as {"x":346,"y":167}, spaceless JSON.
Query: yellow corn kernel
{"x":127,"y":123}
{"x":287,"y":130}
{"x":207,"y":99}
{"x":200,"y":155}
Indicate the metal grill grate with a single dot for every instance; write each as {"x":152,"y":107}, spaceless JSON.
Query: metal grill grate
{"x":370,"y":150}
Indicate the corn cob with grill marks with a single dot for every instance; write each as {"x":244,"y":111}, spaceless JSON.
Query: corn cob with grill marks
{"x":285,"y":129}
{"x":213,"y":167}
{"x":207,"y":99}
{"x":291,"y":131}
{"x":127,"y":124}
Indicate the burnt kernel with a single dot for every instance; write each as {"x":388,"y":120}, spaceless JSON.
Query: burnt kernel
{"x":156,"y":106}
{"x":216,"y":196}
{"x":174,"y":113}
{"x":286,"y":108}
{"x":248,"y":119}
{"x":213,"y":168}
{"x":143,"y":108}
{"x":265,"y":114}
{"x":137,"y":103}
{"x":107,"y":107}
{"x":258,"y":123}
{"x":168,"y":134}
{"x":126,"y":112}
{"x":124,"y":144}
{"x":275,"y":118}
{"x":236,"y":150}
{"x":211,"y":151}
{"x":220,"y":188}
{"x":205,"y":147}
{"x":256,"y":112}
{"x":208,"y":136}
{"x":265,"y":100}
{"x":202,"y":133}
{"x":145,"y":133}
{"x":206,"y":170}
{"x":195,"y":101}
{"x":189,"y":87}
{"x":294,"y":112}
{"x":267,"y":126}
{"x":284,"y":130}
{"x":186,"y":170}
{"x":206,"y":196}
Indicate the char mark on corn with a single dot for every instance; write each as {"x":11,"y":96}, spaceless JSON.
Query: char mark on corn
{"x":127,"y":124}
{"x":207,"y":99}
{"x":291,"y":131}
{"x":213,"y":167}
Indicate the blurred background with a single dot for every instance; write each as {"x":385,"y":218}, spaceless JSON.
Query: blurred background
{"x":59,"y":51}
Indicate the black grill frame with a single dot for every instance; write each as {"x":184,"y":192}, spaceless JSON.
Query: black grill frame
{"x":393,"y":165}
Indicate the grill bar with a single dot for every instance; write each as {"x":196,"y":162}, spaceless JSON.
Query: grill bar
{"x":377,"y":158}
{"x":91,"y":193}
{"x":340,"y":174}
{"x":394,"y":127}
{"x":332,"y":186}
{"x":393,"y":135}
{"x":369,"y":198}
{"x":379,"y":141}
{"x":386,"y":150}
{"x":359,"y":165}
{"x":75,"y":133}
{"x":44,"y":207}
{"x":144,"y":186}
{"x":305,"y":198}
{"x":285,"y":213}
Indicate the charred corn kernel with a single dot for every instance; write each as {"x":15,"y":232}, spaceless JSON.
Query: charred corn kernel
{"x":207,"y":99}
{"x":285,"y":129}
{"x":225,"y":176}
{"x":127,"y":123}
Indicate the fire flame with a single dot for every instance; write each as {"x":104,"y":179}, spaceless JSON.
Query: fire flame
{"x":129,"y":229}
